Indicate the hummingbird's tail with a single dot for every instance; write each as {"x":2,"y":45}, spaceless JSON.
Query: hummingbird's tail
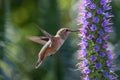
{"x":38,"y":64}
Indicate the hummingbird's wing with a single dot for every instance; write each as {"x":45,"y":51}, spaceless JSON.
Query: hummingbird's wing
{"x":44,"y":32}
{"x":50,"y":37}
{"x":40,"y":40}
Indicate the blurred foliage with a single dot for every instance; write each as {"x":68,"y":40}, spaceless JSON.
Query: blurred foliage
{"x":19,"y":55}
{"x":115,"y":37}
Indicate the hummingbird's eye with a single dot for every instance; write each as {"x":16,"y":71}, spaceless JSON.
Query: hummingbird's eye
{"x":67,"y":30}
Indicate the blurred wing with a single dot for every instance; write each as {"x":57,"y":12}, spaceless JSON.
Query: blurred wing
{"x":40,"y":40}
{"x":44,"y":32}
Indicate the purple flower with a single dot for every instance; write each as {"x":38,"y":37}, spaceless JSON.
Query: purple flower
{"x":106,"y":23}
{"x":86,"y":78}
{"x":83,"y":32}
{"x":105,"y":45}
{"x":111,"y":77}
{"x":108,"y":62}
{"x":109,"y":54}
{"x":111,"y":68}
{"x":97,"y":66}
{"x":99,"y":11}
{"x":86,"y":70}
{"x":93,"y":6}
{"x":99,"y":40}
{"x":105,"y":37}
{"x":85,"y":24}
{"x":105,"y":74}
{"x":106,"y":7}
{"x":108,"y":29}
{"x":101,"y":32}
{"x":90,"y":37}
{"x":83,"y":43}
{"x":82,"y":53}
{"x":83,"y":64}
{"x":88,"y":1}
{"x":95,"y":19}
{"x":107,"y":15}
{"x":103,"y":2}
{"x":81,"y":19}
{"x":93,"y":27}
{"x":88,"y":15}
{"x":93,"y":58}
{"x":102,"y":54}
{"x":96,"y":48}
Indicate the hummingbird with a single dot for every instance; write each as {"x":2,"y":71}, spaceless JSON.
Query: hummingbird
{"x":51,"y":43}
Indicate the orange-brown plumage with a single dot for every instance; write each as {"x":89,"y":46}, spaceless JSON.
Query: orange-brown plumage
{"x":48,"y":49}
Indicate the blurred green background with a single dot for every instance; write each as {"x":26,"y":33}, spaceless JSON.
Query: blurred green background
{"x":19,"y":55}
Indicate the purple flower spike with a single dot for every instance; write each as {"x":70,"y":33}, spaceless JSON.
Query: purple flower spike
{"x":90,"y":37}
{"x":102,"y":54}
{"x":93,"y":6}
{"x":99,"y":40}
{"x":93,"y":58}
{"x":96,"y":48}
{"x":99,"y":11}
{"x":97,"y":66}
{"x":93,"y":27}
{"x":95,"y":19}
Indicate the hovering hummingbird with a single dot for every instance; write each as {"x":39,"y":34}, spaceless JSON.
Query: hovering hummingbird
{"x":51,"y":43}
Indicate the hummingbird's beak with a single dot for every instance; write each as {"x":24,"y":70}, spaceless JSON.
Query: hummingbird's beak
{"x":74,"y":30}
